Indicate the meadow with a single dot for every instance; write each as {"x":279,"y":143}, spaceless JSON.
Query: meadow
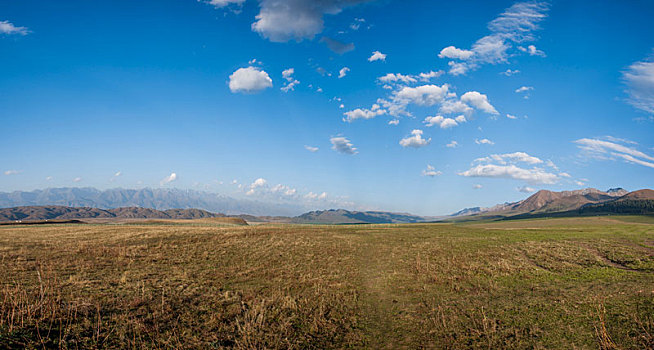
{"x":569,"y":283}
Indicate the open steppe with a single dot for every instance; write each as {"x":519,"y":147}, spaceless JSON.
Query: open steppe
{"x":564,"y":283}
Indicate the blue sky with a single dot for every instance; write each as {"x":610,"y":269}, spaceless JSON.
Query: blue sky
{"x":418,"y":106}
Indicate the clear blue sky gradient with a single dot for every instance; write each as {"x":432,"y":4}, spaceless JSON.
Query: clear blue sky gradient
{"x":141,"y":87}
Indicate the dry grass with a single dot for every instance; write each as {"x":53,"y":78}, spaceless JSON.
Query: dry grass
{"x":579,"y":285}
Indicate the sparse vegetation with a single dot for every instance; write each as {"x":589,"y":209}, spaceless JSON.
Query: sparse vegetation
{"x":549,"y":283}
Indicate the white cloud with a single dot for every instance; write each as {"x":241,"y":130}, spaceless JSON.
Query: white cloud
{"x":341,"y":106}
{"x":12,"y":172}
{"x":377,"y":56}
{"x":444,"y":123}
{"x":477,"y":186}
{"x":453,"y":52}
{"x":115,"y":176}
{"x":394,"y":122}
{"x":168,"y":179}
{"x":452,"y":144}
{"x":250,"y":79}
{"x":284,"y":20}
{"x":526,"y":189}
{"x":430,"y":75}
{"x":223,"y":3}
{"x":343,"y":145}
{"x":394,"y":78}
{"x":532,"y":50}
{"x":510,"y":116}
{"x":479,"y":101}
{"x":511,"y":157}
{"x":48,"y":178}
{"x":639,"y":79}
{"x":515,"y":25}
{"x":77,"y":179}
{"x":533,"y":176}
{"x":363,"y":113}
{"x":510,"y":72}
{"x":291,"y":82}
{"x":451,"y":106}
{"x":8,"y":28}
{"x":610,"y":151}
{"x":311,"y":149}
{"x":415,"y":141}
{"x":524,"y":89}
{"x":484,"y":142}
{"x":343,"y":72}
{"x":424,"y":95}
{"x":431,"y":171}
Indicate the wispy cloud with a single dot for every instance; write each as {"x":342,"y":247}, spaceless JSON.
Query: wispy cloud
{"x":607,"y":150}
{"x":12,"y":172}
{"x":168,"y":179}
{"x":431,"y":171}
{"x":377,"y":56}
{"x":639,"y":79}
{"x":311,"y":149}
{"x":9,"y":28}
{"x":515,"y":25}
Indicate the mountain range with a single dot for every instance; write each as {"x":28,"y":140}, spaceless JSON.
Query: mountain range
{"x":86,"y":203}
{"x":154,"y":198}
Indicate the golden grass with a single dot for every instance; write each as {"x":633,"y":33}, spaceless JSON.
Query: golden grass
{"x":574,"y":285}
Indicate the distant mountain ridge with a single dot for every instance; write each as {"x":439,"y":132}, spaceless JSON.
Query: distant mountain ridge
{"x":157,"y":198}
{"x":38,"y":213}
{"x":584,"y":201}
{"x":342,"y":216}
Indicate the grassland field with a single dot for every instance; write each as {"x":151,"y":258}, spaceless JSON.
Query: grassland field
{"x":570,"y":283}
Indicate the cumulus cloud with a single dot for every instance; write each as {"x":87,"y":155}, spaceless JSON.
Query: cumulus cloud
{"x":11,"y":172}
{"x":291,"y":82}
{"x":510,"y":72}
{"x":477,"y":186}
{"x":484,"y":142}
{"x":607,"y":150}
{"x":77,"y":179}
{"x":508,"y":166}
{"x":511,"y":116}
{"x":444,"y":123}
{"x":452,"y":144}
{"x":533,"y":176}
{"x":431,"y":171}
{"x":168,"y":179}
{"x":524,"y":89}
{"x":395,"y":78}
{"x":337,"y":46}
{"x":453,"y":52}
{"x":377,"y":56}
{"x":532,"y":50}
{"x":479,"y":101}
{"x":415,"y":140}
{"x":639,"y":80}
{"x":284,"y":20}
{"x":343,"y":72}
{"x":515,"y":25}
{"x":9,"y":28}
{"x":394,"y":122}
{"x":250,"y":79}
{"x":311,"y":149}
{"x":343,"y":145}
{"x":426,"y":76}
{"x":363,"y":113}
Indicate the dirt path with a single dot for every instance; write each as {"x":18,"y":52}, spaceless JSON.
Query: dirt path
{"x":384,"y":303}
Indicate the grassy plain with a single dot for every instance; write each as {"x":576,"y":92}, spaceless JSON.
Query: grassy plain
{"x":561,"y":283}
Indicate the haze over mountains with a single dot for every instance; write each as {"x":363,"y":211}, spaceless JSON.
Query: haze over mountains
{"x":85,"y":203}
{"x":154,"y":198}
